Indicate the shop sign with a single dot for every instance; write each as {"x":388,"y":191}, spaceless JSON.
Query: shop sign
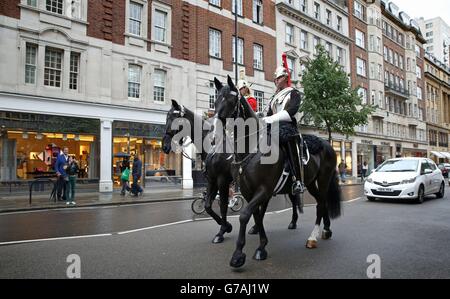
{"x":385,"y":143}
{"x":367,"y":142}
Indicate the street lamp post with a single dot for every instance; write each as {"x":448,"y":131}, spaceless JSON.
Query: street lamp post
{"x":235,"y":41}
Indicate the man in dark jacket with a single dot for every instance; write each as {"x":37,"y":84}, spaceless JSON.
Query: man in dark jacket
{"x":61,"y":166}
{"x":136,"y":190}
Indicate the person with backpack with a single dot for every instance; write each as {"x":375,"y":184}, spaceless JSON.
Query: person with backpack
{"x":72,"y":171}
{"x":125,"y":177}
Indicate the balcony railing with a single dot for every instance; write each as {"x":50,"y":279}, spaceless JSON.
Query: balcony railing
{"x":396,"y":89}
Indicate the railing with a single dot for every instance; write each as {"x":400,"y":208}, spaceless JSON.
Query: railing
{"x":397,"y":88}
{"x":40,"y":181}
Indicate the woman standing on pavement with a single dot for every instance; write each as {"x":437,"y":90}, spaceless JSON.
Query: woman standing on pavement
{"x":125,"y":176}
{"x":72,"y":171}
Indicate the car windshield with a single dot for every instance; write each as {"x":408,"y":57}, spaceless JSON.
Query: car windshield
{"x":399,"y":166}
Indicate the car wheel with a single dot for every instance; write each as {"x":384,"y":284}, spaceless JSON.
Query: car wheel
{"x":421,"y":195}
{"x":371,"y":198}
{"x":441,"y":192}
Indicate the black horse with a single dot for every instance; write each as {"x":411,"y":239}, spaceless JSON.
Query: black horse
{"x":218,"y":171}
{"x":257,"y":180}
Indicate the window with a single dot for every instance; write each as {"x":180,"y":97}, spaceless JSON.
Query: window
{"x":329,"y":49}
{"x":329,"y":18}
{"x":215,"y":2}
{"x":396,"y":59}
{"x":258,"y":57}
{"x":391,"y":56}
{"x":289,"y":34}
{"x":359,"y":10}
{"x":429,"y":25}
{"x":212,"y":95}
{"x":429,"y":34}
{"x":419,"y":72}
{"x":340,"y":55}
{"x":317,"y":11}
{"x":160,"y":26}
{"x":304,"y":40}
{"x":304,"y":6}
{"x":259,"y":96}
{"x":401,"y":62}
{"x":159,"y":85}
{"x":417,"y":50}
{"x":360,"y":39}
{"x":316,"y":42}
{"x":240,"y":50}
{"x":361,"y":67}
{"x":53,"y":67}
{"x":135,"y":18}
{"x":134,"y":81}
{"x":291,"y":66}
{"x":74,"y":70}
{"x":30,"y":63}
{"x":372,"y":97}
{"x":215,"y":42}
{"x":380,"y":72}
{"x":339,"y":24}
{"x":362,"y":92}
{"x":419,"y":93}
{"x":55,"y":6}
{"x":32,"y":3}
{"x":239,"y":7}
{"x":258,"y":11}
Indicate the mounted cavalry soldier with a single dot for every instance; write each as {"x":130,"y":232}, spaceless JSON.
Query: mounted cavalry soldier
{"x":246,"y":92}
{"x":284,"y":110}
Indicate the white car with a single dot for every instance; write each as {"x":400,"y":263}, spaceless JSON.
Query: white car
{"x":405,"y":178}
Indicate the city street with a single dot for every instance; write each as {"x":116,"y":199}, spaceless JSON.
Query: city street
{"x":163,"y":240}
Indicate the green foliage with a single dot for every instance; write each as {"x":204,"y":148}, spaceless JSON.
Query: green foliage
{"x":329,"y":102}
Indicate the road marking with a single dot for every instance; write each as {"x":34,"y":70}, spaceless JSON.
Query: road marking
{"x":152,"y":227}
{"x":148,"y":228}
{"x":54,"y":239}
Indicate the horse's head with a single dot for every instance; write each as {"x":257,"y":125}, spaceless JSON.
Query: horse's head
{"x":176,"y":111}
{"x":227,"y":99}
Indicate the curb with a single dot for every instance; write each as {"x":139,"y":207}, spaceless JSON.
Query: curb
{"x":109,"y":204}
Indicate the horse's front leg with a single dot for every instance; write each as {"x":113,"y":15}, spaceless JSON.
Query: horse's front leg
{"x":262,"y":210}
{"x":210,"y":196}
{"x":238,"y":259}
{"x":295,"y":200}
{"x":225,"y":227}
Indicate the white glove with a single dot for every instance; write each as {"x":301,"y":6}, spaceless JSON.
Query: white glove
{"x":281,"y":116}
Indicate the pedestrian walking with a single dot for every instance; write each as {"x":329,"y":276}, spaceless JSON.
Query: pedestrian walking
{"x":364,"y":171}
{"x":61,"y":165}
{"x":125,"y":176}
{"x":72,"y":171}
{"x":342,"y":170}
{"x":136,"y":190}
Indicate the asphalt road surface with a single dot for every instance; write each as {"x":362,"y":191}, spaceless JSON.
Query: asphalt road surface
{"x":411,"y":241}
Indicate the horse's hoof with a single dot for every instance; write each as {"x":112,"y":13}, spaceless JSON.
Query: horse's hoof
{"x":218,"y":239}
{"x":292,"y":225}
{"x":238,"y":260}
{"x":326,"y":234}
{"x":260,"y":255}
{"x":229,"y":228}
{"x":253,"y":231}
{"x":311,"y":244}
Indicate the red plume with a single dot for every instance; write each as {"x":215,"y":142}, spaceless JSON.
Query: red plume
{"x":285,"y":65}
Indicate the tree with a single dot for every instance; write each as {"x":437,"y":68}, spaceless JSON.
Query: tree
{"x":330,"y":103}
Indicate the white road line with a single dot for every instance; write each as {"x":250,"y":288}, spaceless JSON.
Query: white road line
{"x":152,"y":227}
{"x":54,"y":239}
{"x":147,"y":228}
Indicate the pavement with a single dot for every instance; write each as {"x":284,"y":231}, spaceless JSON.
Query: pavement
{"x":20,"y":203}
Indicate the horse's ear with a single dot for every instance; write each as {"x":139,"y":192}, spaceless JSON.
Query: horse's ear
{"x":231,"y":84}
{"x":175,"y":105}
{"x":218,"y":84}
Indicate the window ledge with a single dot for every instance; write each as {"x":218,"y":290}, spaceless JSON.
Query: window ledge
{"x":43,"y":11}
{"x":216,"y":58}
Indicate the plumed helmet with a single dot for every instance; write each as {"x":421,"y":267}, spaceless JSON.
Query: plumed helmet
{"x":242,"y":84}
{"x":279,"y":72}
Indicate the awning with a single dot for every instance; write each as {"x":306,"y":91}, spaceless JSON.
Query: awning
{"x":446,"y":155}
{"x":438,"y":154}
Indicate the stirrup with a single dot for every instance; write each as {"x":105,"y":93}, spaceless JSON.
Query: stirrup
{"x":298,"y":188}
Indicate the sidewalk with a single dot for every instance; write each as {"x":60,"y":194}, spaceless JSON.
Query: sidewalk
{"x":94,"y":199}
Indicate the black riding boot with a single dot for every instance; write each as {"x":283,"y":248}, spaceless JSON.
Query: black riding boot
{"x":294,"y":161}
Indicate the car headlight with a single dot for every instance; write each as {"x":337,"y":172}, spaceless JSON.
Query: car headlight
{"x":369,"y":180}
{"x":410,"y":181}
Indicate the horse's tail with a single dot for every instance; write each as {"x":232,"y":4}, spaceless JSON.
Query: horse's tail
{"x":334,"y":197}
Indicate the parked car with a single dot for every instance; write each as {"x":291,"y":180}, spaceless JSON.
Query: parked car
{"x":405,"y":178}
{"x":444,"y":170}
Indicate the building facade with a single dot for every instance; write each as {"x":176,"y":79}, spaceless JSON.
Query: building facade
{"x":437,"y":80}
{"x":437,"y":33}
{"x":99,"y":77}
